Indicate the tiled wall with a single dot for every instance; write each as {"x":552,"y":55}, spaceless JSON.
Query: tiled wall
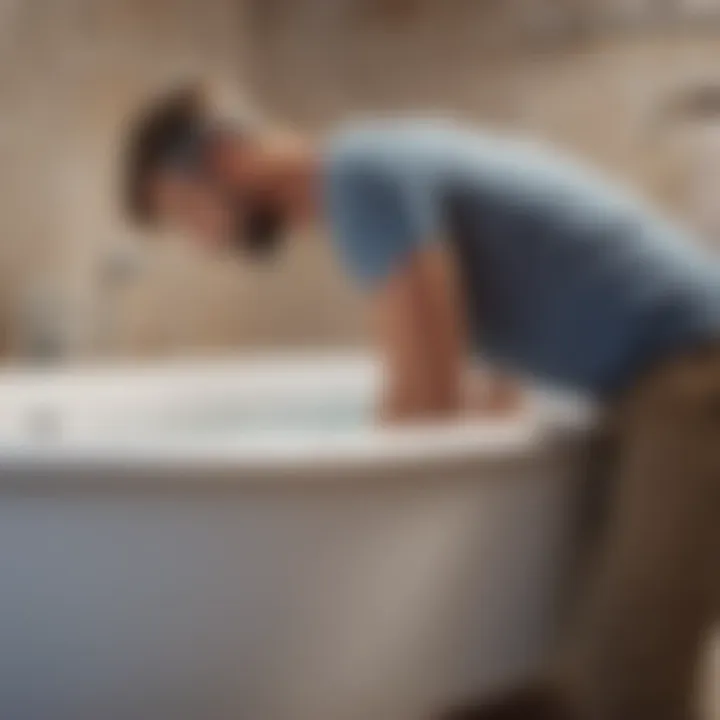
{"x":72,"y":67}
{"x":69,"y":72}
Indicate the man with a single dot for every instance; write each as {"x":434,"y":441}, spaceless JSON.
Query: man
{"x":464,"y":243}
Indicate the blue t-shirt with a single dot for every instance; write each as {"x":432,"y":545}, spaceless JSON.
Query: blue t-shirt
{"x":566,"y":278}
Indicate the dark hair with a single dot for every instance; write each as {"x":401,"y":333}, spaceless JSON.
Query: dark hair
{"x":701,"y":102}
{"x":152,"y":136}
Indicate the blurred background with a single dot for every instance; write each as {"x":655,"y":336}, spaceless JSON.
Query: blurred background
{"x":604,"y":78}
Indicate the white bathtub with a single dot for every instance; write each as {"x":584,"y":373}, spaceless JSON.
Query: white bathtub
{"x":162,"y":557}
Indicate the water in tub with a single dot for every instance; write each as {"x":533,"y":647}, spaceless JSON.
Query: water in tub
{"x":224,"y":417}
{"x":232,"y":418}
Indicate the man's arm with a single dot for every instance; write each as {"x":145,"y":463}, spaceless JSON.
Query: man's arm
{"x":420,"y":329}
{"x":386,"y":223}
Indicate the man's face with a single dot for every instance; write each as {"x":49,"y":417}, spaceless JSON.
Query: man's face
{"x":193,"y":206}
{"x":219,"y":214}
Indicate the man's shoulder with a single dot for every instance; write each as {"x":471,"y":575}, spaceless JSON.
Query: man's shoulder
{"x":383,"y":143}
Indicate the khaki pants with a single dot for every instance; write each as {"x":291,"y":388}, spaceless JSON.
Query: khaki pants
{"x":653,"y":592}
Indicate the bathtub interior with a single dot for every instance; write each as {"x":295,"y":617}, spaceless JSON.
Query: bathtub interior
{"x":259,"y":404}
{"x":186,"y":400}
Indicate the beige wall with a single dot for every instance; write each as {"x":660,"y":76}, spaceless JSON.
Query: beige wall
{"x":69,"y":72}
{"x":316,"y":61}
{"x":71,"y":69}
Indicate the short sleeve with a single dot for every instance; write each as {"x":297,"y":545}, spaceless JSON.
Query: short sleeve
{"x":381,"y":208}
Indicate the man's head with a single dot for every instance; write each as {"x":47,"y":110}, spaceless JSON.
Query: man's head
{"x":226,"y":183}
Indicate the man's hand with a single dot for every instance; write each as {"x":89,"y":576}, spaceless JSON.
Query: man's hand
{"x":493,"y":394}
{"x":485,"y":394}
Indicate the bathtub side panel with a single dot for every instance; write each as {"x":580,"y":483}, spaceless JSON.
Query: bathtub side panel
{"x":333,"y":602}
